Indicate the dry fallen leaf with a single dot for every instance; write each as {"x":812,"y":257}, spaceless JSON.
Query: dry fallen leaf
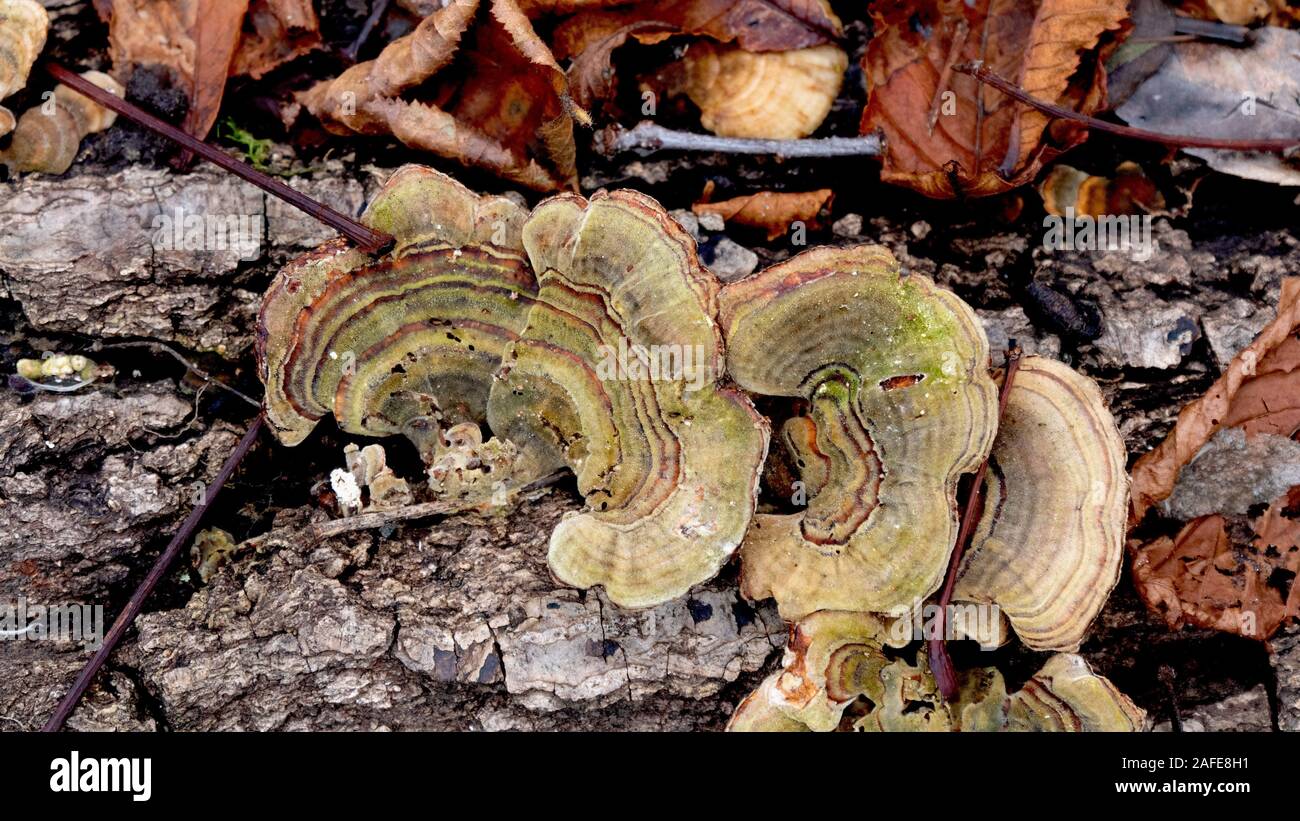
{"x":203,"y":43}
{"x":771,"y":211}
{"x":1215,"y":90}
{"x":215,"y":34}
{"x":275,"y":32}
{"x":1233,"y":569}
{"x":489,"y":94}
{"x":979,"y":138}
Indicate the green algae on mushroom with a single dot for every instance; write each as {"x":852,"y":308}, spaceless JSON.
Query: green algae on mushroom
{"x":406,"y":343}
{"x":894,"y":370}
{"x":837,"y":675}
{"x":1050,"y":542}
{"x":616,"y":378}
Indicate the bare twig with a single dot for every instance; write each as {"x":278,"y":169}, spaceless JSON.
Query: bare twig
{"x":190,"y":366}
{"x":367,"y":239}
{"x":984,"y":75}
{"x":155,"y":575}
{"x":648,"y":138}
{"x":937,"y":648}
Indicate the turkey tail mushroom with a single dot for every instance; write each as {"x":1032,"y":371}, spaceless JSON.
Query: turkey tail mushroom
{"x":406,"y":343}
{"x":23,"y":27}
{"x":836,"y":674}
{"x":49,"y":135}
{"x":895,"y":370}
{"x":773,"y":95}
{"x":1050,"y":543}
{"x":616,"y":377}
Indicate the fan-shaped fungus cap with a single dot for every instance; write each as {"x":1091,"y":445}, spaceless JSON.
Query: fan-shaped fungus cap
{"x":23,"y":26}
{"x":615,"y":377}
{"x":773,"y":95}
{"x":1050,"y":543}
{"x":407,"y":342}
{"x":832,"y":659}
{"x":895,"y":371}
{"x":47,"y":139}
{"x":835,"y":675}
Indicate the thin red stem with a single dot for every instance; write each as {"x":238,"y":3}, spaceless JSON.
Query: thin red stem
{"x":984,"y":75}
{"x":937,"y":648}
{"x":367,"y":239}
{"x":156,"y":573}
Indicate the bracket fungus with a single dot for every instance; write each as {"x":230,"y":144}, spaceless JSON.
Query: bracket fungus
{"x":49,"y":135}
{"x":836,"y":674}
{"x":23,"y":27}
{"x":615,"y":376}
{"x":1050,"y":543}
{"x":773,"y":95}
{"x":406,"y":343}
{"x":894,"y":371}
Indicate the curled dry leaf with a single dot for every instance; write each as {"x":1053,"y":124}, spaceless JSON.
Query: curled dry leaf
{"x":1049,"y":545}
{"x":777,"y":95}
{"x":616,"y":377}
{"x":490,"y":95}
{"x":48,"y":136}
{"x":771,"y":211}
{"x":23,"y":26}
{"x":837,"y":675}
{"x":895,"y":372}
{"x":275,"y":32}
{"x":1226,"y":570}
{"x":204,"y":42}
{"x":975,"y":137}
{"x":406,"y":343}
{"x":1129,"y":191}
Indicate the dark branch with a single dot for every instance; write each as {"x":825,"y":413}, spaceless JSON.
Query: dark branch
{"x":156,"y":573}
{"x":367,"y":239}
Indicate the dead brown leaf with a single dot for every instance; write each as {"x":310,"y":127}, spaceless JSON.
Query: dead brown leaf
{"x":976,"y":141}
{"x":473,"y":83}
{"x":1228,"y":572}
{"x":275,"y":32}
{"x":204,"y":42}
{"x":770,"y":211}
{"x":1205,"y":577}
{"x":215,"y":34}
